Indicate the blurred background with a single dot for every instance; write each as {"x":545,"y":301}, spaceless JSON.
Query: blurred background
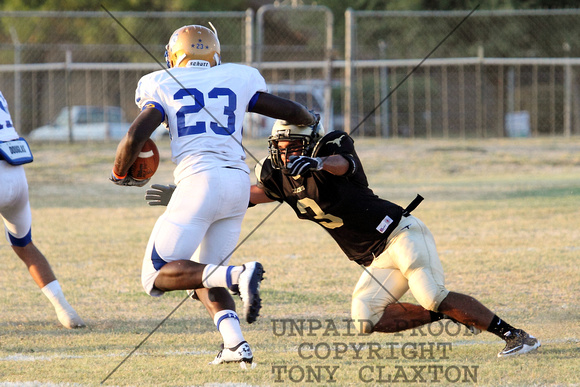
{"x":511,"y":69}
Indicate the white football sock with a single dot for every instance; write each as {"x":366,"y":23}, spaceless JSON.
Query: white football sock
{"x":54,"y":293}
{"x":215,"y":276}
{"x":228,"y":324}
{"x":65,"y":313}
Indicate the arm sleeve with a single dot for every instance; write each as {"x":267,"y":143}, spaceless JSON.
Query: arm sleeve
{"x":339,"y":143}
{"x":256,"y":85}
{"x":146,"y":96}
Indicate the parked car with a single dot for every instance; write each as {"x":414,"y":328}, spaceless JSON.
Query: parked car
{"x":88,"y":123}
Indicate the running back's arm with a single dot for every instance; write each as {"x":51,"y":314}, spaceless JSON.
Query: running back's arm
{"x":284,"y":109}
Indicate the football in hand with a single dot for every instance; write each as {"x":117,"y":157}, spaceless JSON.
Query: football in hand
{"x":147,"y":162}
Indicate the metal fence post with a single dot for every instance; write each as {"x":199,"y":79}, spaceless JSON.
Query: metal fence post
{"x":328,"y":71}
{"x":348,"y":58}
{"x":567,"y":99}
{"x":384,"y":82}
{"x":17,"y":78}
{"x":249,"y":24}
{"x":67,"y":84}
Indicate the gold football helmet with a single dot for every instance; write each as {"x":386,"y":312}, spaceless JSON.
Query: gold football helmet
{"x":193,"y":46}
{"x":306,"y":138}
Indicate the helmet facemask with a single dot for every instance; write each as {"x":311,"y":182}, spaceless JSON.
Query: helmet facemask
{"x":280,"y":157}
{"x":304,"y":138}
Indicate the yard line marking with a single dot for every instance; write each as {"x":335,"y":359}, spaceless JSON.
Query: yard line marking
{"x":292,"y":349}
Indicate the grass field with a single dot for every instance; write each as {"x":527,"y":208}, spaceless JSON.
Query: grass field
{"x":505,"y":215}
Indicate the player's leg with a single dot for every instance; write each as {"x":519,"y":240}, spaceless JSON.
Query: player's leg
{"x":15,"y":213}
{"x":36,"y":262}
{"x":42,"y":274}
{"x":202,"y":225}
{"x":419,"y":262}
{"x":414,"y":252}
{"x":177,"y":234}
{"x":198,"y":205}
{"x":375,"y":306}
{"x":383,"y":284}
{"x":468,"y":310}
{"x":375,"y":290}
{"x":216,"y":249}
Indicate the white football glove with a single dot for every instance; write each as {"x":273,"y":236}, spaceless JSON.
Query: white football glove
{"x":300,"y":165}
{"x":159,"y":195}
{"x":128,"y":181}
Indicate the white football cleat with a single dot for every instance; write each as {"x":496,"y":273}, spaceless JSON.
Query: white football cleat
{"x":249,"y":289}
{"x":241,"y":353}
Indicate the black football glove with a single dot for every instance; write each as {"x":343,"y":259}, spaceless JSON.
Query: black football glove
{"x":159,"y":195}
{"x":128,"y":180}
{"x":301,"y":165}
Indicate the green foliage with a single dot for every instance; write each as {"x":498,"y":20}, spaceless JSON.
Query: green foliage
{"x":123,"y":5}
{"x":337,"y":6}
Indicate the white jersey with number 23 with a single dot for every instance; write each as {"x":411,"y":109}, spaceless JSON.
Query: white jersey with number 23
{"x":204,"y":112}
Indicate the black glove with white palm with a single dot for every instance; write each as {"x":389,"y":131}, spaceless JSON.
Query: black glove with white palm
{"x":159,"y":195}
{"x":302,"y":165}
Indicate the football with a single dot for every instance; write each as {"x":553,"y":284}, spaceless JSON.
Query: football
{"x":147,"y":162}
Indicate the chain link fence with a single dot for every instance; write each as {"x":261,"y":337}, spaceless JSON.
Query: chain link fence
{"x":495,"y":34}
{"x":100,"y":37}
{"x":501,"y":73}
{"x":483,"y":94}
{"x":49,"y":60}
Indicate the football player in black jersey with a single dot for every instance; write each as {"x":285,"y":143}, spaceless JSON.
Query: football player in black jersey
{"x":321,"y":177}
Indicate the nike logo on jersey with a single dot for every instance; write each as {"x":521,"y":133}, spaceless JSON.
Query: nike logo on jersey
{"x":408,"y":227}
{"x":336,"y":141}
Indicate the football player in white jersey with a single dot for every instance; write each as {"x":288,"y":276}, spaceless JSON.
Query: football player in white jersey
{"x":15,"y":213}
{"x":202,"y":103}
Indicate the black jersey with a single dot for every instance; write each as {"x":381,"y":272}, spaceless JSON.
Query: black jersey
{"x":345,"y":206}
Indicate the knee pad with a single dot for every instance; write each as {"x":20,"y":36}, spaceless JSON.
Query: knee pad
{"x":427,"y":291}
{"x":375,"y":289}
{"x":363,"y":318}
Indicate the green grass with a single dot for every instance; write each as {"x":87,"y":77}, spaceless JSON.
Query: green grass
{"x":504,"y":214}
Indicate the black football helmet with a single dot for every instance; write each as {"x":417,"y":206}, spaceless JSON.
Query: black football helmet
{"x":282,"y":131}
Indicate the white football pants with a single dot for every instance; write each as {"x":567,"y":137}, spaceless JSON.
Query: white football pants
{"x":202,"y":222}
{"x":410,"y":261}
{"x":14,"y":204}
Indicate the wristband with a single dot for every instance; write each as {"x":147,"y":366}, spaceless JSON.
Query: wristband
{"x":117,"y":176}
{"x":351,"y":164}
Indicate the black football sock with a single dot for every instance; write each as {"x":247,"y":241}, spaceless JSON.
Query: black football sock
{"x":436,"y":316}
{"x":499,"y":327}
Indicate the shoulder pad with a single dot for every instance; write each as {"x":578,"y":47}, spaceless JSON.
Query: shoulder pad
{"x":331,"y":143}
{"x":264,"y":172}
{"x":261,"y":168}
